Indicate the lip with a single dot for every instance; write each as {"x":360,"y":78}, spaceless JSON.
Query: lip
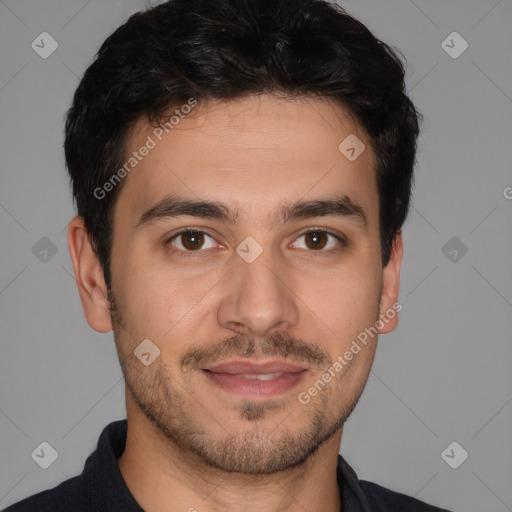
{"x":247,"y":367}
{"x":229,"y":376}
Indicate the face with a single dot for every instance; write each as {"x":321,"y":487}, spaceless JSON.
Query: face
{"x":246,"y":249}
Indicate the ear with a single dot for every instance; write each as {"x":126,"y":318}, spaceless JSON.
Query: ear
{"x":391,"y":286}
{"x":89,"y":277}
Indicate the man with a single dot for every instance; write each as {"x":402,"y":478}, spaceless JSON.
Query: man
{"x":242,"y":170}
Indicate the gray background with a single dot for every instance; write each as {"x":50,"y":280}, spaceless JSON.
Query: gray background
{"x":444,"y":375}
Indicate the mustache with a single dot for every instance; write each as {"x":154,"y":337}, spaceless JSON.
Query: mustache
{"x":243,"y":346}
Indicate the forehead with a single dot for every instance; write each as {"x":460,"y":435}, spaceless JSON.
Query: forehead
{"x":254,"y":152}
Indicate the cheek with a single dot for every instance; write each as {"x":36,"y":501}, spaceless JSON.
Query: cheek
{"x":349,"y":298}
{"x":161,"y":304}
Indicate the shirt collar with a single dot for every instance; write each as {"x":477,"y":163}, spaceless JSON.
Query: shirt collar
{"x":105,"y":489}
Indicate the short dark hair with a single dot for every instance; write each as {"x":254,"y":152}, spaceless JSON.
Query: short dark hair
{"x":226,"y":49}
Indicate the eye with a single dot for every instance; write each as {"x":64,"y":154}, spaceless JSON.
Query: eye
{"x":315,"y":240}
{"x":318,"y":239}
{"x":192,"y":241}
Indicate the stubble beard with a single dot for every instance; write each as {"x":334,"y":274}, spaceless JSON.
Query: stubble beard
{"x":249,"y":449}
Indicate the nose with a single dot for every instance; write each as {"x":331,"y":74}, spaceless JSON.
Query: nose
{"x":259,"y":298}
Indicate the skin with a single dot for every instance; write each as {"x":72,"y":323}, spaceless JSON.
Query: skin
{"x":189,"y":443}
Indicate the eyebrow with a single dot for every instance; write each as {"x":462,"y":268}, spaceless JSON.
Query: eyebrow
{"x":173,"y":206}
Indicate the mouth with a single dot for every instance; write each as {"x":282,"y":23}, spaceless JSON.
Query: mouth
{"x":252,"y":380}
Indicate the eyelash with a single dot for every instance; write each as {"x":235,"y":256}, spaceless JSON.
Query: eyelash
{"x":196,"y":254}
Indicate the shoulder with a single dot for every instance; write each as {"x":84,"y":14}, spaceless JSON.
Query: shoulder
{"x":67,"y":496}
{"x":382,"y":499}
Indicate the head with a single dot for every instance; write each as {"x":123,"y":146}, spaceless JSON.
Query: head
{"x":232,"y":120}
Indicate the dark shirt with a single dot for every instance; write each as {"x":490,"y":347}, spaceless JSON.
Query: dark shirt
{"x":101,"y":488}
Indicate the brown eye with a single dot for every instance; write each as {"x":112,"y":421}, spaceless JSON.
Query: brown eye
{"x":192,"y":241}
{"x":315,"y":240}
